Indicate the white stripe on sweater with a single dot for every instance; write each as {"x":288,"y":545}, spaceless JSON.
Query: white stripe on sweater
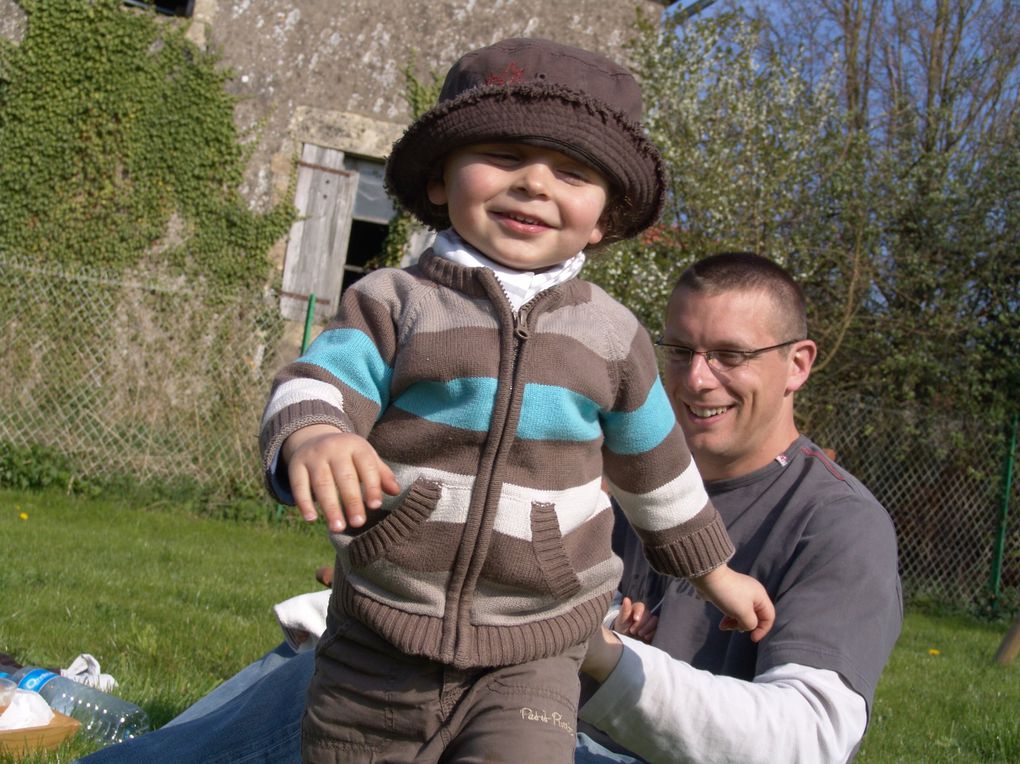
{"x":659,"y":510}
{"x":574,"y":506}
{"x":301,"y":390}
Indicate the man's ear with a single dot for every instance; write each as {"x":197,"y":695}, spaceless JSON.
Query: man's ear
{"x":801,"y":359}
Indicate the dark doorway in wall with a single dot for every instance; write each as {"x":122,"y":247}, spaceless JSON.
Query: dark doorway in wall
{"x":364,"y":246}
{"x":369,"y":219}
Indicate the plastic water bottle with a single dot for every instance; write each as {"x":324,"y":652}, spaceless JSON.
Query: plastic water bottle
{"x":104,"y":717}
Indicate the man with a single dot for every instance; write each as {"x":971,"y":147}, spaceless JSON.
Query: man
{"x":735,"y":353}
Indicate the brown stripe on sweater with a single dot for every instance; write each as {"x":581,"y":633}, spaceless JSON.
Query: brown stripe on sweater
{"x":553,"y":562}
{"x":403,"y":438}
{"x":466,"y":352}
{"x":563,"y":361}
{"x":590,"y":544}
{"x":299,"y":370}
{"x":372,"y":314}
{"x":651,"y":469}
{"x":553,"y":465}
{"x":431,"y":549}
{"x":632,"y":391}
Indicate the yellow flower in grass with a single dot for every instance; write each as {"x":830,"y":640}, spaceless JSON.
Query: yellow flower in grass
{"x":23,"y":516}
{"x":934,"y":651}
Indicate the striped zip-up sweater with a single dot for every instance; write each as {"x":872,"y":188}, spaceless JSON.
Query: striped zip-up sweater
{"x":499,"y":429}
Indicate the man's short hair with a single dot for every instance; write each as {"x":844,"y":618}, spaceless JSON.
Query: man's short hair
{"x":748,"y":272}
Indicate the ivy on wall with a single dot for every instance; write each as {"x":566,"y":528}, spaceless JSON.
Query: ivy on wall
{"x":420,"y":96}
{"x":118,"y":148}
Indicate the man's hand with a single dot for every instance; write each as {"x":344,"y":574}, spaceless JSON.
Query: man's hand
{"x":337,"y":470}
{"x":742,"y":599}
{"x":636,"y":620}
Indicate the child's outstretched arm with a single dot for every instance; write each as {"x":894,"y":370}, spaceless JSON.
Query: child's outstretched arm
{"x":337,"y":470}
{"x":742,"y":599}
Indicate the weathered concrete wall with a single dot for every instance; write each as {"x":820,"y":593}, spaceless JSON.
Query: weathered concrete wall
{"x":12,"y":21}
{"x":332,"y":72}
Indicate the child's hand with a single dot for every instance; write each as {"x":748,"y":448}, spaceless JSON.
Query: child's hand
{"x":321,"y":459}
{"x":742,"y":599}
{"x":636,"y":620}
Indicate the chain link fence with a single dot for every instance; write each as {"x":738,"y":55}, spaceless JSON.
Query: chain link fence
{"x":149,"y":379}
{"x":942,"y":479}
{"x":153,"y":379}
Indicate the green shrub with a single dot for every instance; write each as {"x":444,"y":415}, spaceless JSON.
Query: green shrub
{"x":34,"y":467}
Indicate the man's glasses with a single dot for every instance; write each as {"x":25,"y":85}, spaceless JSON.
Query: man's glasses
{"x":720,"y":360}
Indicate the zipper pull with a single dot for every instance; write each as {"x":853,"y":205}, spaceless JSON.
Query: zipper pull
{"x":521,"y":326}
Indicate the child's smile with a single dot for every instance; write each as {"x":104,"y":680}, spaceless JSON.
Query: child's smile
{"x":526,"y":207}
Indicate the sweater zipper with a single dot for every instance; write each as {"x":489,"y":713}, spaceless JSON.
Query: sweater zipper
{"x":521,"y":333}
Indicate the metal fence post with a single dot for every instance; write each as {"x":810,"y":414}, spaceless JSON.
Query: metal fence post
{"x":1007,"y":489}
{"x":309,"y":316}
{"x":309,"y":320}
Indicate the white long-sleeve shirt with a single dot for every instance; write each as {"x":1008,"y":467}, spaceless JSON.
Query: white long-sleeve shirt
{"x":665,"y":710}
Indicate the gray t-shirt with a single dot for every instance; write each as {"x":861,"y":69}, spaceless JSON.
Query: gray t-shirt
{"x":824,"y":549}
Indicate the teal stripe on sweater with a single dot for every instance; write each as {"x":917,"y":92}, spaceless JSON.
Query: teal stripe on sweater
{"x":350,"y":356}
{"x":641,"y":430}
{"x":556,"y":413}
{"x":548,"y":413}
{"x":465,"y":403}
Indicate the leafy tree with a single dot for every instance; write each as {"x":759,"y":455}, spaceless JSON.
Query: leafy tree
{"x":934,"y":89}
{"x":870,"y":147}
{"x":760,"y":159}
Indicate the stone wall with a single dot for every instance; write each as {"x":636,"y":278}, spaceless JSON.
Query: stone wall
{"x":332,"y":72}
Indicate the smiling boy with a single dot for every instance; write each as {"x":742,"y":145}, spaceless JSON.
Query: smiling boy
{"x":474,"y":402}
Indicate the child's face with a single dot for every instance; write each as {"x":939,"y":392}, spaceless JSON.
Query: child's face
{"x":525,"y":207}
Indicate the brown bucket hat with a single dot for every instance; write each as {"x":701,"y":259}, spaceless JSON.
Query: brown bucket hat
{"x":545,"y":94}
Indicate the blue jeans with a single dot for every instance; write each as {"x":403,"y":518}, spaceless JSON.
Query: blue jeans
{"x":255,"y":716}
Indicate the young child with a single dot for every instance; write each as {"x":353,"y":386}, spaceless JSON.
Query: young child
{"x":473,"y":403}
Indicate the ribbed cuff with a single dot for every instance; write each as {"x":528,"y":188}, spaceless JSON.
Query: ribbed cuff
{"x":694,"y":555}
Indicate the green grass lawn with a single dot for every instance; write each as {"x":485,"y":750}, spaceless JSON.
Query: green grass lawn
{"x":171,"y":604}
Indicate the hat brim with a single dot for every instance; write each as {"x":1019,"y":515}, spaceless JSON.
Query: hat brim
{"x":555,"y":118}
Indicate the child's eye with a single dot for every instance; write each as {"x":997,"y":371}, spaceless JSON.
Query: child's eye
{"x":575,"y":174}
{"x":501,"y":158}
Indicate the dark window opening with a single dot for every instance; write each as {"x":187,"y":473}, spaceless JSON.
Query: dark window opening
{"x":166,"y":7}
{"x":370,"y":218}
{"x":364,"y":246}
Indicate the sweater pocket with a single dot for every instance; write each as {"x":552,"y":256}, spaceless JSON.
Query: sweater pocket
{"x":553,"y":561}
{"x":399,"y":525}
{"x":533,"y":570}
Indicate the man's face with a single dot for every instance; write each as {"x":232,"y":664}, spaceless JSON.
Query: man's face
{"x":736,"y":420}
